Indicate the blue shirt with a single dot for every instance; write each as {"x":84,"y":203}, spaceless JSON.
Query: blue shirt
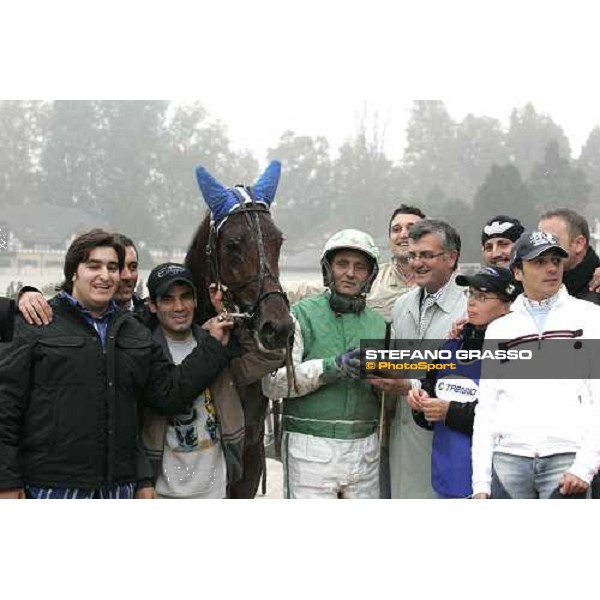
{"x":100,"y":324}
{"x":539,"y":311}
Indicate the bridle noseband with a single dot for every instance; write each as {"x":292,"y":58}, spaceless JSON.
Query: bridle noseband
{"x":250,"y":209}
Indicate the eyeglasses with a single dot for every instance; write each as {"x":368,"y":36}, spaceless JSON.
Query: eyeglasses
{"x":479,"y":296}
{"x":427,"y":255}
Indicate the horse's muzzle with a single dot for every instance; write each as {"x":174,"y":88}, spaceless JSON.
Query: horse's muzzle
{"x":275,"y":333}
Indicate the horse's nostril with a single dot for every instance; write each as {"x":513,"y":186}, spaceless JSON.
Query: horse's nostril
{"x":276,"y":334}
{"x":268,"y":330}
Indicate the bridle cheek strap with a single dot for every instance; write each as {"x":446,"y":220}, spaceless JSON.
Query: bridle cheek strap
{"x":250,"y":209}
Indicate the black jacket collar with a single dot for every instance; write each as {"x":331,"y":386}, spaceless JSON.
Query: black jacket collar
{"x":577,"y":279}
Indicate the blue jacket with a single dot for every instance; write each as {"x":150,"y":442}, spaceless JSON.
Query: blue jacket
{"x":451,"y":451}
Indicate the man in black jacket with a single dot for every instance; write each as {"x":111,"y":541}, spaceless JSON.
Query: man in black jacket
{"x":36,"y":310}
{"x":7,"y":317}
{"x":69,"y":391}
{"x":572,"y":232}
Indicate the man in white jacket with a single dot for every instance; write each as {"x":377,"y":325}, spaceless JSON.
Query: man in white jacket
{"x":539,"y":438}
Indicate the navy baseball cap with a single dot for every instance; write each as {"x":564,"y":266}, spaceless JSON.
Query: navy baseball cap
{"x":491,"y":279}
{"x":533,"y":243}
{"x":163,"y":276}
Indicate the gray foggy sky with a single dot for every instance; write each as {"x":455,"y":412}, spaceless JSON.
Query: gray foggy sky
{"x":336,"y":123}
{"x":314,"y":67}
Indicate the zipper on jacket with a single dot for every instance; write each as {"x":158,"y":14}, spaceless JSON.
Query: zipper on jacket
{"x":110,"y":374}
{"x":344,"y":346}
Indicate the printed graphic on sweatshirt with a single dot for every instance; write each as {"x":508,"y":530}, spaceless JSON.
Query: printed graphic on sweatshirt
{"x":197,"y":428}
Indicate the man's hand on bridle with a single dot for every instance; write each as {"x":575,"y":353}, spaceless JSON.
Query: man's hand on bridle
{"x":216,"y":292}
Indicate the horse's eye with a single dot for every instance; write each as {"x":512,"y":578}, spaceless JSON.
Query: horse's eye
{"x":235,"y":257}
{"x":232,"y":245}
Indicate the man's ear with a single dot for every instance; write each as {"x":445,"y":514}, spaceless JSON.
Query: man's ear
{"x":580,"y":244}
{"x":152,"y":307}
{"x":518,"y":274}
{"x":454,"y":255}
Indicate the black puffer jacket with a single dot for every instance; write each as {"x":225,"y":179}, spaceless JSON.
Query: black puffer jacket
{"x":68,"y":408}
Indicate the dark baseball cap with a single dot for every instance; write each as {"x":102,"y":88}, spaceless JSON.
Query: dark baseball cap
{"x":163,"y":276}
{"x":502,"y":226}
{"x":491,"y":279}
{"x":533,"y":243}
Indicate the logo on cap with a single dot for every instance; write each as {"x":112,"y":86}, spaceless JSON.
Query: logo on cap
{"x":496,"y":228}
{"x":170,"y":270}
{"x":490,"y":271}
{"x":541,"y":238}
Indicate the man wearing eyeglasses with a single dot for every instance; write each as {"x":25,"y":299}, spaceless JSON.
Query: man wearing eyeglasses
{"x":425,"y":313}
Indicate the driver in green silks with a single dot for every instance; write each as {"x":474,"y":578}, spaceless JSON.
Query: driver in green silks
{"x":330,"y":445}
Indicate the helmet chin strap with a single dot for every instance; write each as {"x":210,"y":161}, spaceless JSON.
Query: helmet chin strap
{"x":348,"y":303}
{"x":345,"y":303}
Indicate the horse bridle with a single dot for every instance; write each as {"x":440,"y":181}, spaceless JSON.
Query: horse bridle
{"x":250,"y":209}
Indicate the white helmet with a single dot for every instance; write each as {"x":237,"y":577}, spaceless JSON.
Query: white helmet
{"x":350,"y":239}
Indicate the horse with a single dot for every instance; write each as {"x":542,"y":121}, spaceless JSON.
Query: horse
{"x":237,"y":246}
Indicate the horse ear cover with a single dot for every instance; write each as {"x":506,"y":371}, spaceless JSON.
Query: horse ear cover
{"x":218,"y":198}
{"x":221,"y":200}
{"x":266,"y":185}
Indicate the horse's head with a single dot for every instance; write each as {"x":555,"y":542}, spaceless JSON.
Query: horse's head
{"x":243,"y":250}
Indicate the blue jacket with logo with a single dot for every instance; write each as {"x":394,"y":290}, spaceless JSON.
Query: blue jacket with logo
{"x":451,"y":451}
